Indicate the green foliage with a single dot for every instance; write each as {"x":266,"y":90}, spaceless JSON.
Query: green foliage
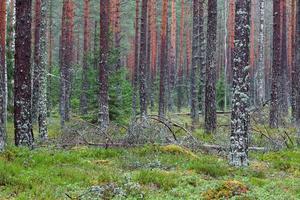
{"x":161,"y":179}
{"x":221,"y":92}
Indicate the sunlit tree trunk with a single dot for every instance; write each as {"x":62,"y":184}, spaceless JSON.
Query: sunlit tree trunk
{"x":210,"y":86}
{"x":103,"y":65}
{"x":22,"y":75}
{"x":2,"y":74}
{"x":240,"y":117}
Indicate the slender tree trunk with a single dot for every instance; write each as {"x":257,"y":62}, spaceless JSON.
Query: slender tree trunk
{"x":86,"y":49}
{"x":284,"y":65}
{"x":195,"y":64}
{"x":202,"y":56}
{"x":293,"y":49}
{"x":117,"y":39}
{"x":297,"y":70}
{"x":50,"y":56}
{"x":136,"y":60}
{"x":163,"y":59}
{"x":103,"y":67}
{"x":239,"y":138}
{"x":42,"y":68}
{"x":172,"y":55}
{"x":67,"y":59}
{"x":181,"y":57}
{"x":143,"y":60}
{"x":210,"y":86}
{"x":2,"y":74}
{"x":36,"y":58}
{"x":260,"y":76}
{"x":22,"y":75}
{"x":274,"y":107}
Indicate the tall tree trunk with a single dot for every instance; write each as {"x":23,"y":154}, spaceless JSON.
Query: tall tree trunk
{"x":297,"y":70}
{"x":50,"y":55}
{"x":210,"y":86}
{"x":42,"y":68}
{"x":136,"y":59}
{"x":293,"y":49}
{"x":195,"y":64}
{"x":163,"y":59}
{"x":284,"y":66}
{"x":143,"y":60}
{"x":181,"y":58}
{"x":36,"y":58}
{"x":274,"y":107}
{"x":86,"y":49}
{"x":117,"y":39}
{"x":103,"y":67}
{"x":239,"y":138}
{"x":67,"y":59}
{"x":260,"y":76}
{"x":2,"y":74}
{"x":172,"y":54}
{"x":22,"y":75}
{"x":202,"y":56}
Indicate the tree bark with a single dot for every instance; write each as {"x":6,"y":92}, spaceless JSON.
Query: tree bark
{"x":163,"y":59}
{"x":210,"y":86}
{"x":143,"y":60}
{"x":86,"y":49}
{"x":240,"y":117}
{"x":297,"y":70}
{"x":103,"y":66}
{"x":277,"y":41}
{"x":22,"y":75}
{"x":195,"y":64}
{"x":2,"y":74}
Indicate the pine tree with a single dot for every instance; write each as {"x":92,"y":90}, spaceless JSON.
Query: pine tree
{"x":2,"y":74}
{"x":163,"y":60}
{"x":103,"y":66}
{"x":210,"y":85}
{"x":86,"y":48}
{"x":240,"y":117}
{"x":22,"y":75}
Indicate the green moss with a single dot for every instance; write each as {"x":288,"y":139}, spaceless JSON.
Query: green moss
{"x":208,"y":167}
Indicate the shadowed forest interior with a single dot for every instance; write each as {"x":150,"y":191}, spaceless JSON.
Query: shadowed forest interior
{"x":150,"y":99}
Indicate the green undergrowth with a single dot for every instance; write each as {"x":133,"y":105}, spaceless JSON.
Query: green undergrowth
{"x":149,"y":172}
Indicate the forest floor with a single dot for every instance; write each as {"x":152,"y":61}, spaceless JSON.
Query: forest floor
{"x":147,"y":172}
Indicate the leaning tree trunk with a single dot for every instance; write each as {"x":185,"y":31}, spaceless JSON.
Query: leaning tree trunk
{"x":163,"y":59}
{"x":86,"y":48}
{"x":2,"y":74}
{"x":22,"y":75}
{"x":210,"y":85}
{"x":274,"y":107}
{"x":103,"y":66}
{"x":240,"y":117}
{"x":42,"y":79}
{"x":195,"y":64}
{"x":143,"y":60}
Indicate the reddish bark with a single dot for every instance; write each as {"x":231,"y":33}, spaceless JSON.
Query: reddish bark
{"x":22,"y":75}
{"x":163,"y":59}
{"x":103,"y":66}
{"x":153,"y":36}
{"x":230,"y":25}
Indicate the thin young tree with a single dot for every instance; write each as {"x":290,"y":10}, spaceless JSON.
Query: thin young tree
{"x":297,"y":70}
{"x":22,"y":75}
{"x":103,"y":65}
{"x":143,"y":60}
{"x":240,"y":103}
{"x":2,"y":74}
{"x":274,"y":107}
{"x":210,"y":84}
{"x":163,"y":60}
{"x":86,"y":48}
